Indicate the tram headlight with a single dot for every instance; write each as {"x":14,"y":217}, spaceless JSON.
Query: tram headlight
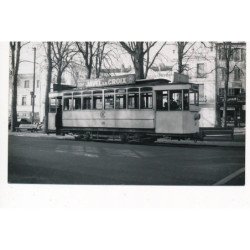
{"x":197,"y":116}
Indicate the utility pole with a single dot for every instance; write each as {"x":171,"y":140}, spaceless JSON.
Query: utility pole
{"x":34,"y":86}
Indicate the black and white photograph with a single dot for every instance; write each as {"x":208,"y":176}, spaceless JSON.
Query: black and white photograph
{"x":124,"y":125}
{"x":127,"y":113}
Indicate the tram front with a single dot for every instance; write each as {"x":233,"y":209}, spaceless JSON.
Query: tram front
{"x":177,"y":110}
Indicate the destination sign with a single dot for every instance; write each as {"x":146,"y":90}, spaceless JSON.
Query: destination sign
{"x":116,"y":80}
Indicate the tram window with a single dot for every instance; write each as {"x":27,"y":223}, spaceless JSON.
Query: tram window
{"x":175,"y":100}
{"x":77,"y":103}
{"x":52,"y":105}
{"x":193,"y":98}
{"x":120,"y":99}
{"x":146,"y":100}
{"x":133,"y":98}
{"x":86,"y":102}
{"x":109,"y":101}
{"x":162,"y":100}
{"x":133,"y":101}
{"x":185,"y":100}
{"x":67,"y":103}
{"x":97,"y":102}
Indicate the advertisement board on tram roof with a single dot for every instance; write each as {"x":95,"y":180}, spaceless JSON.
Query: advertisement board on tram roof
{"x":104,"y":82}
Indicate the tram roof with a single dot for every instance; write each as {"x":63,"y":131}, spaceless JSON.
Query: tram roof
{"x":159,"y":81}
{"x":137,"y":83}
{"x":142,"y":82}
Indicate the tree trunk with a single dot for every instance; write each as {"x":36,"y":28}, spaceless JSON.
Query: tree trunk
{"x":139,"y":61}
{"x":218,"y":116}
{"x":225,"y":99}
{"x":59,"y":77}
{"x":89,"y":71}
{"x":49,"y":77}
{"x":15,"y":50}
{"x":180,"y":57}
{"x":14,"y":104}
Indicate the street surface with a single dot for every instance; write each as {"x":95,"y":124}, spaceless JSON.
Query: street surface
{"x":60,"y":161}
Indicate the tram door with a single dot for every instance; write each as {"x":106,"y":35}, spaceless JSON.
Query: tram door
{"x":166,"y":121}
{"x":58,"y":117}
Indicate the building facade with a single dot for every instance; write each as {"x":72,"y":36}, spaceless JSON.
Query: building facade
{"x":237,"y":82}
{"x":24,"y":99}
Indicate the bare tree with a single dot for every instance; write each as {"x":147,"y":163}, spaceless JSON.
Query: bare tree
{"x":183,"y":55}
{"x":48,"y":83}
{"x":87,"y":51}
{"x":100,"y":56}
{"x":62,"y":55}
{"x":15,"y":48}
{"x":141,"y":56}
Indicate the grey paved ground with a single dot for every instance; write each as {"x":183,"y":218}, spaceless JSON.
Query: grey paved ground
{"x":49,"y":160}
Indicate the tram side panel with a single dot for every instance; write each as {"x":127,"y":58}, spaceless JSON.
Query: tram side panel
{"x":176,"y":122}
{"x":190,"y":123}
{"x":134,"y":119}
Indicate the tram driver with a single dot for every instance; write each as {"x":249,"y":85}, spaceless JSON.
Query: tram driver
{"x":173,"y":104}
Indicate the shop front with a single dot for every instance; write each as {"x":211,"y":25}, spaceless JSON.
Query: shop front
{"x":235,"y":111}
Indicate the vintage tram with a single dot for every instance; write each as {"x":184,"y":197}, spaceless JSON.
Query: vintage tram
{"x":127,"y":108}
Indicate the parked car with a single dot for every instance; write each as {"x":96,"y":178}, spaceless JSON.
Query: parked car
{"x":19,"y":122}
{"x":24,"y":121}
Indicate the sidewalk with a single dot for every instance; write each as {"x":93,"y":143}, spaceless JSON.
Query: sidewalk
{"x":239,"y":140}
{"x":215,"y":143}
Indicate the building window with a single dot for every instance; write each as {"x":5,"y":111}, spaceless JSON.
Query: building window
{"x":201,"y":93}
{"x":37,"y":83}
{"x":237,"y":74}
{"x":222,"y":54}
{"x":26,"y":84}
{"x":200,"y":70}
{"x":237,"y":55}
{"x":223,"y":74}
{"x":221,"y":91}
{"x":24,"y":99}
{"x":243,"y":55}
{"x":231,"y":92}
